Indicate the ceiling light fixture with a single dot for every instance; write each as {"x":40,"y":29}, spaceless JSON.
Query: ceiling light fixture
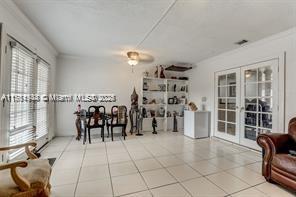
{"x":133,"y":58}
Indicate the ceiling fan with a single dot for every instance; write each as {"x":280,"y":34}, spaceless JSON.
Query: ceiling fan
{"x":134,"y":57}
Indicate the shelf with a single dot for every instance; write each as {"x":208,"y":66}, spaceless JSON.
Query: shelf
{"x":162,"y":79}
{"x":176,"y":116}
{"x":153,"y":78}
{"x":177,"y":80}
{"x":153,"y":104}
{"x":155,"y":118}
{"x":158,"y":93}
{"x":179,"y":92}
{"x":176,"y":104}
{"x":154,"y":91}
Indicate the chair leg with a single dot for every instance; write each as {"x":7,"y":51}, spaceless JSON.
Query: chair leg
{"x":111,"y":133}
{"x":103,"y":134}
{"x":108,"y":130}
{"x":84,"y":135}
{"x":89,"y":140}
{"x":123,"y":132}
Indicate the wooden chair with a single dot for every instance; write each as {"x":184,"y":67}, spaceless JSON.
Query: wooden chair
{"x":28,"y":178}
{"x":118,"y":119}
{"x":96,"y":120}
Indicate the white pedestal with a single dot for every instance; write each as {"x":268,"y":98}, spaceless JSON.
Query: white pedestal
{"x":197,"y":124}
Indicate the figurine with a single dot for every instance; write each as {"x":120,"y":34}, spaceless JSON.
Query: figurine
{"x":133,"y":113}
{"x":156,"y":72}
{"x":161,"y":112}
{"x":145,"y":86}
{"x":139,"y":121}
{"x":78,"y":122}
{"x":154,"y":125}
{"x":153,"y":101}
{"x":134,"y":99}
{"x":175,"y":128}
{"x":146,"y":73}
{"x":161,"y":72}
{"x":192,"y":106}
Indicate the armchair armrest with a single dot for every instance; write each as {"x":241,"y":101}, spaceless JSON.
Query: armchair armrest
{"x":271,"y":143}
{"x":27,"y":146}
{"x":20,"y":181}
{"x":278,"y":142}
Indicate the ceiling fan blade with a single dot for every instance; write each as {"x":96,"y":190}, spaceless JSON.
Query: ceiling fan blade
{"x":146,"y":58}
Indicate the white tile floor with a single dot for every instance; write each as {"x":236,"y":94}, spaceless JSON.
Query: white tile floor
{"x":164,"y":165}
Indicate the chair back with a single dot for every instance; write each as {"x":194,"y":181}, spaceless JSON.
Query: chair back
{"x":292,"y":128}
{"x":96,"y":115}
{"x":119,"y":115}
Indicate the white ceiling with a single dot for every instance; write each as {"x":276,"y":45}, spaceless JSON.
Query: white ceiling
{"x":171,"y":31}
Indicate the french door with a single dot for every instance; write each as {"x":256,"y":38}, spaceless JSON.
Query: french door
{"x":247,"y":102}
{"x":227,"y":108}
{"x":259,"y":101}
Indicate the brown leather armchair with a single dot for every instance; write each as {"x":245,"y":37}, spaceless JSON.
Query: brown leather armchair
{"x":278,"y":165}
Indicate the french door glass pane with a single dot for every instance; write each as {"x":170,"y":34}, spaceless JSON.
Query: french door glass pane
{"x":231,"y":116}
{"x":265,"y":74}
{"x":251,"y":104}
{"x":250,"y":133}
{"x":221,"y":103}
{"x":251,"y":75}
{"x":265,"y":120}
{"x":221,"y":115}
{"x":222,"y":91}
{"x":231,"y":79}
{"x":264,"y":89}
{"x":231,"y":129}
{"x":251,"y":90}
{"x":265,"y":104}
{"x":221,"y":126}
{"x":231,"y":91}
{"x":222,"y":80}
{"x":231,"y":103}
{"x":251,"y":119}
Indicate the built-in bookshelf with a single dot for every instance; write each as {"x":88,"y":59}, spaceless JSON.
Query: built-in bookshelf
{"x":161,"y":98}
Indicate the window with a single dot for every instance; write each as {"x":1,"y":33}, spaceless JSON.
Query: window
{"x":29,"y":75}
{"x":21,"y":113}
{"x":42,"y":106}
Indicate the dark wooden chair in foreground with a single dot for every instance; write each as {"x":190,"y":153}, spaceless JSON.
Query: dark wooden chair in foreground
{"x":118,"y":119}
{"x":279,"y":163}
{"x":28,"y":178}
{"x":96,"y":120}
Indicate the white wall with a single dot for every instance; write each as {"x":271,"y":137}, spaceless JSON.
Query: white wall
{"x":202,"y":77}
{"x":17,"y":25}
{"x":94,"y":76}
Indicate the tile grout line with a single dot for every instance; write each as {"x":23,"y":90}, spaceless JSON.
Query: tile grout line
{"x":205,"y":176}
{"x":168,"y":173}
{"x":79,"y":171}
{"x":136,"y":167}
{"x":174,"y":154}
{"x":106,"y":152}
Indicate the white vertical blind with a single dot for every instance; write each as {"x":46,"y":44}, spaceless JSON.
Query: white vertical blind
{"x":29,"y":76}
{"x":21,"y":113}
{"x":42,"y":106}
